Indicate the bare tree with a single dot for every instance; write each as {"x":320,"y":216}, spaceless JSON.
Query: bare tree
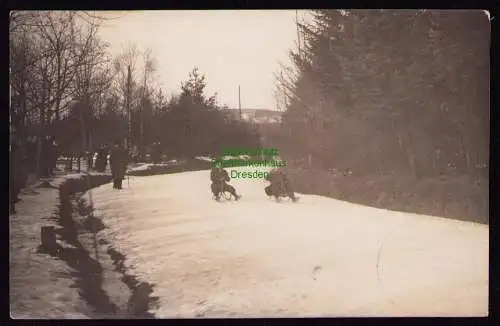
{"x":93,"y":78}
{"x":149,"y":68}
{"x":54,"y":59}
{"x":21,"y":55}
{"x":121,"y":63}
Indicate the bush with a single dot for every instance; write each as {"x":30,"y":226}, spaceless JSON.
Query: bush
{"x":461,"y":197}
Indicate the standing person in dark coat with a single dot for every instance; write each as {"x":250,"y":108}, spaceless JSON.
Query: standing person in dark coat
{"x":118,"y":162}
{"x":90,"y":160}
{"x":102,"y":159}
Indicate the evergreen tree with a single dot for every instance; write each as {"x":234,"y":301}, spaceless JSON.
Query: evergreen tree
{"x":398,"y":89}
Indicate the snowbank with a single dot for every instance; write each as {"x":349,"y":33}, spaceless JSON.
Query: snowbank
{"x":317,"y":257}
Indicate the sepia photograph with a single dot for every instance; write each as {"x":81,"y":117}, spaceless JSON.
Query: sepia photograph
{"x":249,"y":163}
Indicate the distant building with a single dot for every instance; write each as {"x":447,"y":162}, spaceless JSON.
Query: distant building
{"x":257,"y":116}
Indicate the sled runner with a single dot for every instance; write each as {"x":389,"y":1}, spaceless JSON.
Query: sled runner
{"x":223,"y":195}
{"x":279,"y":198}
{"x":226,"y":196}
{"x":282,"y":193}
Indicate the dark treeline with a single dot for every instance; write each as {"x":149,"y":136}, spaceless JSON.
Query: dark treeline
{"x":70,"y":97}
{"x":397,"y":100}
{"x":389,"y":92}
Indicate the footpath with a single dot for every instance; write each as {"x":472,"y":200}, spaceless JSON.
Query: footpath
{"x":84,"y":277}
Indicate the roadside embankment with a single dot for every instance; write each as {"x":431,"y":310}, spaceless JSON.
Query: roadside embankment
{"x":99,"y":269}
{"x":81,"y":276}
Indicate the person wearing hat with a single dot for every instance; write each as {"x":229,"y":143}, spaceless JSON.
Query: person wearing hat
{"x":280,"y":185}
{"x":219,"y":178}
{"x":101,"y":159}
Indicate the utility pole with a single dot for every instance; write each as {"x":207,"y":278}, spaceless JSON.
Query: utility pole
{"x":239,"y":100}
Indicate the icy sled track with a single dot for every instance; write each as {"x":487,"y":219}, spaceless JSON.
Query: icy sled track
{"x":318,"y":257}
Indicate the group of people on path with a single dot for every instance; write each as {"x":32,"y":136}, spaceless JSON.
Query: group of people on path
{"x":280,"y":184}
{"x":118,"y":161}
{"x":25,"y":160}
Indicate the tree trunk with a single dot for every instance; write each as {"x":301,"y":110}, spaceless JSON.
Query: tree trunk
{"x":41,"y":136}
{"x":83,"y":133}
{"x":23,"y":99}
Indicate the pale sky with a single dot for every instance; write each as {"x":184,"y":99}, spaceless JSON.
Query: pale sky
{"x":231,"y":47}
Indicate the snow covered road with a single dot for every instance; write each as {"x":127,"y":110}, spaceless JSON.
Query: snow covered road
{"x":317,"y":257}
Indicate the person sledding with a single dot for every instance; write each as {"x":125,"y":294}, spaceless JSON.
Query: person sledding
{"x":219,"y":178}
{"x":280,"y":185}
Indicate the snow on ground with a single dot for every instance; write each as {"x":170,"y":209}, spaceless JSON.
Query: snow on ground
{"x":141,"y":167}
{"x":317,"y":257}
{"x":39,"y":284}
